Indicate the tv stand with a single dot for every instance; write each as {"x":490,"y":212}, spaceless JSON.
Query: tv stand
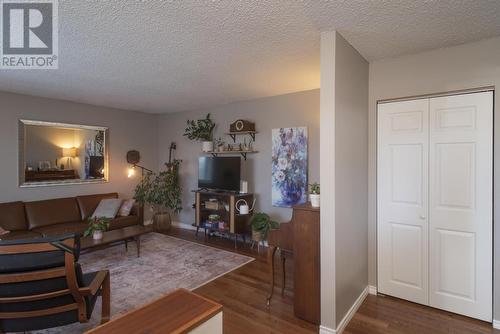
{"x":232,"y":223}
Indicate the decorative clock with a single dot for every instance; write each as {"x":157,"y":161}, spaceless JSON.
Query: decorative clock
{"x":241,"y":125}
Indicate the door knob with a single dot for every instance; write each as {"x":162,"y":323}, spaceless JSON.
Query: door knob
{"x":422,"y":217}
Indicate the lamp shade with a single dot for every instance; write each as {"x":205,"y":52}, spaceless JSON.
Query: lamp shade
{"x":69,"y":152}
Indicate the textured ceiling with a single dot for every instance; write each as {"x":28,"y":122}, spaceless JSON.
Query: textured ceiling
{"x":167,"y":56}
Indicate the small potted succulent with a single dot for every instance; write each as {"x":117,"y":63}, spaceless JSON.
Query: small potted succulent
{"x":314,"y":195}
{"x":261,"y":224}
{"x":219,"y":145}
{"x":97,"y":226}
{"x":201,"y":130}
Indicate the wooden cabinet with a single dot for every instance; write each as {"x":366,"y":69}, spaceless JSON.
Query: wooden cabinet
{"x":225,"y":205}
{"x":300,"y":238}
{"x":306,"y":254}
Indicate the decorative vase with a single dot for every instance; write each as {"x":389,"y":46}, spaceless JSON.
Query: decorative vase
{"x":97,"y":235}
{"x":290,"y":193}
{"x":314,"y":200}
{"x":207,"y":146}
{"x":162,"y":222}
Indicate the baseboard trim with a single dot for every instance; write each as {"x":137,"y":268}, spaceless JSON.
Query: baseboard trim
{"x":326,"y":330}
{"x":183,"y":226}
{"x":372,"y":290}
{"x":352,"y":311}
{"x":496,"y":324}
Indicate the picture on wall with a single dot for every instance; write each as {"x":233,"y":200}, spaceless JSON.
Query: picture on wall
{"x":289,"y":166}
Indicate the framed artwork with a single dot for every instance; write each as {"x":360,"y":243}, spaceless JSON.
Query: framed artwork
{"x":289,"y":166}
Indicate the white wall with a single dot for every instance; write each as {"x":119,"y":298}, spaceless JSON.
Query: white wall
{"x":327,"y":169}
{"x":456,"y":68}
{"x":351,"y":176}
{"x":344,"y":170}
{"x":127,"y":130}
{"x":297,"y":109}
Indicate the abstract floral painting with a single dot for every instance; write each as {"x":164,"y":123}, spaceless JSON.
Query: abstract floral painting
{"x":289,"y":166}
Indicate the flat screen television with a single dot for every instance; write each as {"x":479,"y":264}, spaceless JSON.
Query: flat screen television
{"x":219,"y":173}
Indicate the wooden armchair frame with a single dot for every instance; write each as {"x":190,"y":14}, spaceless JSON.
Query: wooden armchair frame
{"x":100,"y":281}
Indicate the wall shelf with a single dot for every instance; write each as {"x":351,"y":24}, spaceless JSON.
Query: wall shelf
{"x":243,"y":153}
{"x":242,"y":133}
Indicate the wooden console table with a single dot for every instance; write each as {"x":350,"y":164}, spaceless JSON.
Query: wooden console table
{"x":178,"y":312}
{"x":50,"y":175}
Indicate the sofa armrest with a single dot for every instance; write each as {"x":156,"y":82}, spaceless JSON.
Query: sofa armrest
{"x":138,"y":210}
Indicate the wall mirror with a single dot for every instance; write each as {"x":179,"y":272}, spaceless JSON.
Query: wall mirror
{"x":59,"y":154}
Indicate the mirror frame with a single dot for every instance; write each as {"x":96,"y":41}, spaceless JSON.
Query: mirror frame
{"x":22,"y":163}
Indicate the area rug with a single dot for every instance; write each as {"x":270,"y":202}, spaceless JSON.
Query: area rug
{"x":166,"y":264}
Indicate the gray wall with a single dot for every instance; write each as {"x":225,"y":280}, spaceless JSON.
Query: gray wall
{"x":127,"y":130}
{"x":462,"y":67}
{"x":344,"y":169}
{"x":351,"y":176}
{"x":44,"y":143}
{"x":297,"y":109}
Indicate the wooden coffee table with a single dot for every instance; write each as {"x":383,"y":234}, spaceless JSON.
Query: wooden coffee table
{"x":110,"y":238}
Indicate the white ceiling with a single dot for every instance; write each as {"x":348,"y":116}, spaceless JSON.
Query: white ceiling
{"x":166,"y":56}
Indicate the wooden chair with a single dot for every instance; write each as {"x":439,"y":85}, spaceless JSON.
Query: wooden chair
{"x":42,"y":285}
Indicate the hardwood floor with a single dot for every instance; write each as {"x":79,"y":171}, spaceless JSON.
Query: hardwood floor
{"x":243,"y":294}
{"x":388,"y":315}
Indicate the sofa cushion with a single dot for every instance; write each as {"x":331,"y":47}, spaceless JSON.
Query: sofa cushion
{"x":121,"y":222}
{"x":17,"y":235}
{"x":12,"y":216}
{"x":126,"y":207}
{"x":89,"y":203}
{"x":53,"y":211}
{"x":62,"y":228}
{"x":107,"y":208}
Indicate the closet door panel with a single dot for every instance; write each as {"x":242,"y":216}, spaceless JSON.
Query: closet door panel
{"x":461,"y":179}
{"x":402,"y":200}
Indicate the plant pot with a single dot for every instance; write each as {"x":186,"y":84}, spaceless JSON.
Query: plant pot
{"x":314,"y":200}
{"x":207,"y":146}
{"x":257,"y":236}
{"x":162,"y":222}
{"x":97,"y":235}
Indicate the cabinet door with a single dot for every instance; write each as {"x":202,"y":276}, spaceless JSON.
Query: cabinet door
{"x":402,"y":186}
{"x":461,"y":179}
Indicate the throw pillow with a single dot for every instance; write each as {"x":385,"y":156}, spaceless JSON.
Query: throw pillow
{"x":107,"y":208}
{"x":126,"y":207}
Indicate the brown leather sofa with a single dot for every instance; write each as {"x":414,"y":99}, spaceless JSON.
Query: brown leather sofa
{"x":59,"y":216}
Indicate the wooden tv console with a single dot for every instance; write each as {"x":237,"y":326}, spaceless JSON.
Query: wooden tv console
{"x":224,"y":205}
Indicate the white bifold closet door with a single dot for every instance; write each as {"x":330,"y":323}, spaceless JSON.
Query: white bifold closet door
{"x":435,"y":193}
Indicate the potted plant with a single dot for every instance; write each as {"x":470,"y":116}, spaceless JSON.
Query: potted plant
{"x":97,"y":226}
{"x":162,"y":192}
{"x":314,"y":195}
{"x":261,"y":224}
{"x":219,"y":145}
{"x":201,"y":130}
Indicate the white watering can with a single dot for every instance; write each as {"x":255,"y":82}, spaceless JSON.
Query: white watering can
{"x":244,"y":209}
